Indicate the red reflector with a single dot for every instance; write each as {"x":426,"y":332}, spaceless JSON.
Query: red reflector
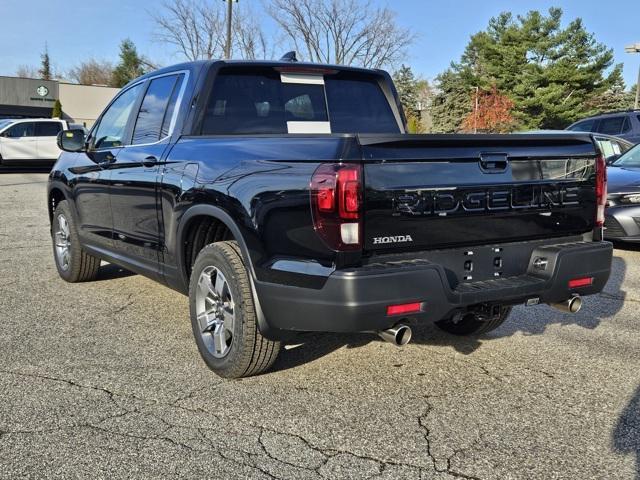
{"x":325,"y":199}
{"x":581,"y":282}
{"x":404,"y":308}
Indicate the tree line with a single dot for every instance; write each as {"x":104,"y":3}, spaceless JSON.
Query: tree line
{"x":522,"y":72}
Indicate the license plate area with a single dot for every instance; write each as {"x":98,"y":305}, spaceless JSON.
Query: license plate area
{"x":487,"y":262}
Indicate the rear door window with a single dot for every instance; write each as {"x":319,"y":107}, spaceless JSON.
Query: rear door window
{"x":151,"y":116}
{"x":626,"y":126}
{"x":611,"y":126}
{"x":48,"y":129}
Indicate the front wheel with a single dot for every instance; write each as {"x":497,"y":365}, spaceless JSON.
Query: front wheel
{"x":223,"y":316}
{"x":470,"y":324}
{"x":73,"y":263}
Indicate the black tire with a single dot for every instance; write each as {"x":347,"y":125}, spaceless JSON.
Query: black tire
{"x":469,"y":324}
{"x":249,"y":353}
{"x":81,"y":266}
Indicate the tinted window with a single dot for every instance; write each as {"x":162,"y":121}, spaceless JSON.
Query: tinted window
{"x":626,"y":126}
{"x":47,"y":129}
{"x":585,"y":126}
{"x":24,"y":129}
{"x":151,"y":116}
{"x":611,"y":126}
{"x":168,"y":116}
{"x":261,"y":103}
{"x":111,"y":129}
{"x":359,"y":106}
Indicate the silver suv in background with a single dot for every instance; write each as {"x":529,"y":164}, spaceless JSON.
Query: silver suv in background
{"x":624,"y":124}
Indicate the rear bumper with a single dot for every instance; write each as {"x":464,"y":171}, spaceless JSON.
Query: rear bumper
{"x":356,"y":300}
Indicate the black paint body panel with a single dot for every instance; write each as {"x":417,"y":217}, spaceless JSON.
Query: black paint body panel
{"x":136,"y":214}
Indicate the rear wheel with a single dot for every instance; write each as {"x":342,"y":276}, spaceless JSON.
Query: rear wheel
{"x":223,"y":316}
{"x":72,"y":262}
{"x":473,"y":324}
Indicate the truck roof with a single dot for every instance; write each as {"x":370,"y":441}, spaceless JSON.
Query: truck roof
{"x":196,"y":66}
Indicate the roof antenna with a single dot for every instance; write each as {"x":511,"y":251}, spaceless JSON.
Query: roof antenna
{"x":289,"y":57}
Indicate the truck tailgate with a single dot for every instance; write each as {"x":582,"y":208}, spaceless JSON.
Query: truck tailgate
{"x":435,"y":191}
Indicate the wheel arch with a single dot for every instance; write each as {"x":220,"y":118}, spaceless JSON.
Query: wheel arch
{"x":55,"y":195}
{"x":220,"y":215}
{"x":215,"y":213}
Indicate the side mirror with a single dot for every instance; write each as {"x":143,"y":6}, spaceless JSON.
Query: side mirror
{"x":71,"y":140}
{"x":612,"y":159}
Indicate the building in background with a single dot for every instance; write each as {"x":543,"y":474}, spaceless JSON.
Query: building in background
{"x":34,"y":98}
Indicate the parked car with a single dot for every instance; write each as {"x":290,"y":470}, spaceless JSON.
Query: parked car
{"x":31,"y":141}
{"x":622,"y":221}
{"x":624,"y":124}
{"x":286,"y":197}
{"x":611,"y":147}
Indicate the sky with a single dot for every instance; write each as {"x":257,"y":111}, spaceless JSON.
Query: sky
{"x":74,"y":31}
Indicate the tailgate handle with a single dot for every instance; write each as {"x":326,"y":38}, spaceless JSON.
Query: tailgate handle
{"x":494,"y":162}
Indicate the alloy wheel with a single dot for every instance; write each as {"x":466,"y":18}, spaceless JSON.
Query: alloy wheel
{"x":215,"y":311}
{"x":62,"y":241}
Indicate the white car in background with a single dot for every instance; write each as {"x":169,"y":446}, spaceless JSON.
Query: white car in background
{"x":30,"y":141}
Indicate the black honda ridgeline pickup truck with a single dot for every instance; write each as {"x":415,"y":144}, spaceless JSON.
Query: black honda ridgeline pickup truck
{"x":284,"y":196}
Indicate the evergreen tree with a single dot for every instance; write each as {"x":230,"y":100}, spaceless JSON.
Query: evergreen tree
{"x":408,"y":88}
{"x":452,"y":103}
{"x":57,"y":110}
{"x":552,"y":74}
{"x":131,"y":64}
{"x":45,"y":66}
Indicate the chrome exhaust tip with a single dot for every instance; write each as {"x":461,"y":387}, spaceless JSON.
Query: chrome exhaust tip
{"x":573,"y":305}
{"x":399,"y":335}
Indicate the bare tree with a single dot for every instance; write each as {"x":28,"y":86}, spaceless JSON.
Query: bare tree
{"x":27,"y":71}
{"x":249,"y":38}
{"x":92,"y":72}
{"x":197,"y":28}
{"x":349,"y":32}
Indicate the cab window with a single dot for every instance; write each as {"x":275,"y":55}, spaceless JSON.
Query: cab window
{"x":112,"y":128}
{"x":47,"y":129}
{"x":153,"y":111}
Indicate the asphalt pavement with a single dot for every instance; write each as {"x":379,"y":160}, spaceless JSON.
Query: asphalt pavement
{"x":103,"y":380}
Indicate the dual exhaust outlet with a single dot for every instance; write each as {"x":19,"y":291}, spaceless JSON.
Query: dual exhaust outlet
{"x":400,"y":334}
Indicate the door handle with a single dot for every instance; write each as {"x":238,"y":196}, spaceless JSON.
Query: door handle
{"x":494,"y":163}
{"x":107,"y":161}
{"x":150,"y":161}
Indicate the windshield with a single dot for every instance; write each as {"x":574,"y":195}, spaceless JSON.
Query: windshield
{"x":629,"y":159}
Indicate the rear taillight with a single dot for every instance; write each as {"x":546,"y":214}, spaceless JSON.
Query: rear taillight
{"x":336,"y":203}
{"x":601,"y":190}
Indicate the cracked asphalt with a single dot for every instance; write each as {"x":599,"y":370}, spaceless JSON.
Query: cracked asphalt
{"x":103,"y":380}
